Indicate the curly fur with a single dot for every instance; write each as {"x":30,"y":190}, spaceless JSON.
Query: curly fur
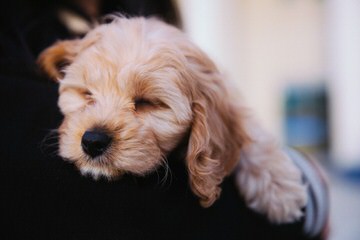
{"x":127,"y":59}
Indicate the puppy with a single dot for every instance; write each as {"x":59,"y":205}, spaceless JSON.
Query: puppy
{"x":133,"y":89}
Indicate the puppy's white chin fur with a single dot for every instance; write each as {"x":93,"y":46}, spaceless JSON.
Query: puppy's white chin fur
{"x":97,"y":173}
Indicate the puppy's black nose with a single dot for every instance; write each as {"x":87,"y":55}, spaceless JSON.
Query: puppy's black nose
{"x":94,"y":143}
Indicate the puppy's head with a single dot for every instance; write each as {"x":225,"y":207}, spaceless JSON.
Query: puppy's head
{"x":131,"y":91}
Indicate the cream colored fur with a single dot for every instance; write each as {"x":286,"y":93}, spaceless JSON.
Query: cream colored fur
{"x":115,"y":64}
{"x":269,"y":181}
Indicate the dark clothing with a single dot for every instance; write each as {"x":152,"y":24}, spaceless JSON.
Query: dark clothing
{"x":43,"y":197}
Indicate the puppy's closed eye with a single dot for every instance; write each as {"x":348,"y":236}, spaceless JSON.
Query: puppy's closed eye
{"x":143,"y":104}
{"x":87,"y":95}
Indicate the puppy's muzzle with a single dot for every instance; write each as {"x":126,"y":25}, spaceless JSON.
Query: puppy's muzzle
{"x":95,"y":142}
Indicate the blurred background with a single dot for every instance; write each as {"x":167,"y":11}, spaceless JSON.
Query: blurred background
{"x":297,"y":64}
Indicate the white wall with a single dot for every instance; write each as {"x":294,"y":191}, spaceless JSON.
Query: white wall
{"x":343,"y":49}
{"x":261,"y":45}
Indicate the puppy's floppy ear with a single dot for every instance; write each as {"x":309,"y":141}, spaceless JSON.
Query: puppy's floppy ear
{"x":216,"y":135}
{"x":54,"y":58}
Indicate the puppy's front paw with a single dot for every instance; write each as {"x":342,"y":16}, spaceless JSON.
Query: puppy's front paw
{"x":282,"y":202}
{"x":274,"y":189}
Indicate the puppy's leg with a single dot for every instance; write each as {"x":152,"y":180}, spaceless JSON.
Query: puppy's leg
{"x":268,"y":179}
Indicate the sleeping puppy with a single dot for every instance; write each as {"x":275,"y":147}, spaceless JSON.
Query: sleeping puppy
{"x":133,"y":89}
